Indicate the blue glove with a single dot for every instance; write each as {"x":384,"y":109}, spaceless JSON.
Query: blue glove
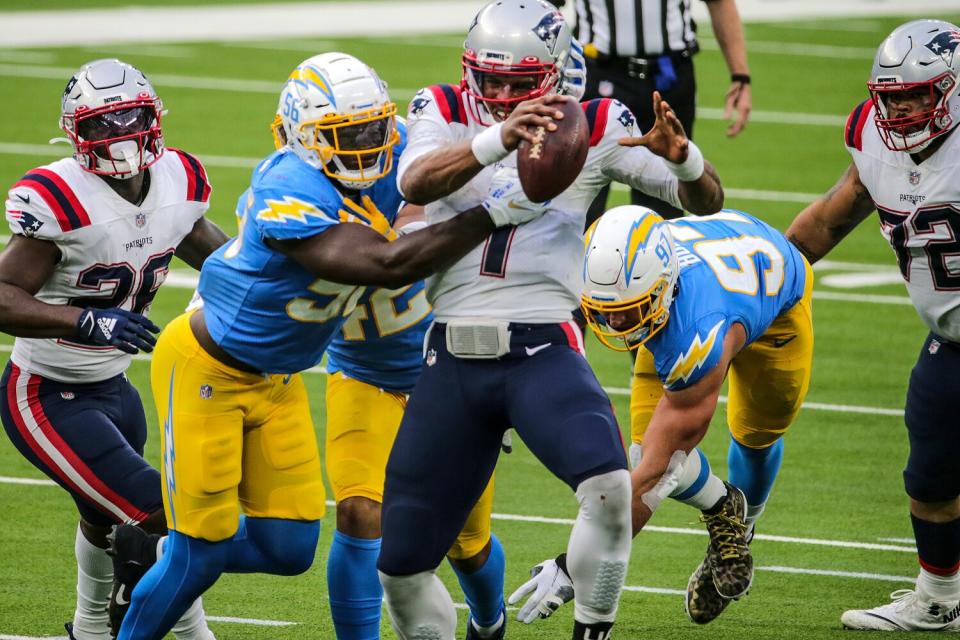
{"x":128,"y":331}
{"x":666,"y":74}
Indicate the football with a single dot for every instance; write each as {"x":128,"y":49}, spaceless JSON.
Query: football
{"x":550,"y":164}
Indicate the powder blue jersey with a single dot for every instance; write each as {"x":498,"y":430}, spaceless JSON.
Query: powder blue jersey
{"x":261,"y":306}
{"x":734,"y":268}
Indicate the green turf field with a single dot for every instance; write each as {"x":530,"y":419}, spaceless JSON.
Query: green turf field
{"x":824,"y":543}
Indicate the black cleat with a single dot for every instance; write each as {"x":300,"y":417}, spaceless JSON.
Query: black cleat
{"x":500,"y":634}
{"x":69,"y":627}
{"x":133,"y":551}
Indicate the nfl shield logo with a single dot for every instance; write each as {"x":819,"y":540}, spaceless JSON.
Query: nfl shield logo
{"x":206,"y":391}
{"x":934,"y":347}
{"x":67,"y":395}
{"x":431,"y":357}
{"x":914,"y":177}
{"x":141,"y":220}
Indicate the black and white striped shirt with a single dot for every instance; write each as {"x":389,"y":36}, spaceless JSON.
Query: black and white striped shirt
{"x":636,"y":28}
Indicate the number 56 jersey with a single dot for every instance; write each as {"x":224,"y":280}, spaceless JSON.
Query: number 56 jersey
{"x":112,"y":253}
{"x":919,"y":207}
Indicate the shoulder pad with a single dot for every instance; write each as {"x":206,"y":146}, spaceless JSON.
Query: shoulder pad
{"x":198,"y":186}
{"x":597,"y":111}
{"x":853,"y":131}
{"x":55,"y":194}
{"x":449,"y":101}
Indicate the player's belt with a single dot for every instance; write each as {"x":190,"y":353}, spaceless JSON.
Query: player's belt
{"x":487,"y":339}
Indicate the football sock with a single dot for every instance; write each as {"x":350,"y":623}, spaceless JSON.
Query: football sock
{"x":754,"y":470}
{"x":354,"y":588}
{"x":484,"y":587}
{"x":419,"y":605}
{"x":599,"y":546}
{"x":938,"y":548}
{"x":94,"y":583}
{"x":592,"y":631}
{"x":698,"y":486}
{"x":192,"y":625}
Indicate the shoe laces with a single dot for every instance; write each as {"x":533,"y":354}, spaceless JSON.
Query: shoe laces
{"x":903,"y":598}
{"x":727,"y":534}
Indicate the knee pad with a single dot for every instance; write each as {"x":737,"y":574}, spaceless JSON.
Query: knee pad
{"x":599,"y":547}
{"x":420,"y":607}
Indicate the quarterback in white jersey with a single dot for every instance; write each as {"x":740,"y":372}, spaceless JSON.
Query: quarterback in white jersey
{"x":504,"y":351}
{"x":93,"y":237}
{"x":906,"y":164}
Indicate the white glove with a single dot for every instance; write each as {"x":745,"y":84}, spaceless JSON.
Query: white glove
{"x":551,"y":587}
{"x":507,"y":204}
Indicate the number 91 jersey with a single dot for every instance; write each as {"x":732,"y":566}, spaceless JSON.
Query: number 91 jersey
{"x":112,"y":253}
{"x":263,"y":307}
{"x":734,"y":268}
{"x":919,"y":208}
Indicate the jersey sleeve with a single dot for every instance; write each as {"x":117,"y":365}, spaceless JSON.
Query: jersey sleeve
{"x":610,"y":121}
{"x":696,"y":352}
{"x":42,"y":205}
{"x":429,"y":118}
{"x":197,"y":187}
{"x":291,"y":214}
{"x":856,"y":121}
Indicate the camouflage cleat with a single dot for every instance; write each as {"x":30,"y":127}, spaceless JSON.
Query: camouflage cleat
{"x":728,"y":556}
{"x":703,"y":604}
{"x":133,"y":551}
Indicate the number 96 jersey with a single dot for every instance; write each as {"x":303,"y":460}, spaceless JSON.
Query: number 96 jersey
{"x":262,"y":307}
{"x":919,"y":207}
{"x":112,"y":253}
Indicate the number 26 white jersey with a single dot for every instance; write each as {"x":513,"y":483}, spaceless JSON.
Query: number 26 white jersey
{"x":112,"y":253}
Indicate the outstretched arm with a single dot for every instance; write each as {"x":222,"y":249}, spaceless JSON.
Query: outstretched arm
{"x":828,"y":220}
{"x":729,"y":33}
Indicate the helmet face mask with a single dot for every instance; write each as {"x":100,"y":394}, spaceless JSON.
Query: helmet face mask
{"x":336,"y":115}
{"x":112,"y":117}
{"x":630,"y":276}
{"x":525,"y":45}
{"x":913,"y":84}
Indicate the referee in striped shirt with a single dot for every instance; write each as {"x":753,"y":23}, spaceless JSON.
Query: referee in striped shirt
{"x":636,"y":47}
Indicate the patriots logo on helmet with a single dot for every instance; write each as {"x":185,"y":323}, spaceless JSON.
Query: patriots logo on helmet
{"x":548,"y":29}
{"x":418,"y":104}
{"x":70,"y":84}
{"x":945,"y":44}
{"x":29,"y":223}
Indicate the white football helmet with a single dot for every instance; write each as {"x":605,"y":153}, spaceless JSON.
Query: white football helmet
{"x":923,"y":55}
{"x":515,"y":38}
{"x":335,"y":114}
{"x":630,"y":264}
{"x":112,"y":117}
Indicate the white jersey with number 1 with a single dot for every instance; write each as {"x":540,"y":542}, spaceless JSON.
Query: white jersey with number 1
{"x":532,"y":273}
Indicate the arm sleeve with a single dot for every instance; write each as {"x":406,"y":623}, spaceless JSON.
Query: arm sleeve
{"x":634,"y":166}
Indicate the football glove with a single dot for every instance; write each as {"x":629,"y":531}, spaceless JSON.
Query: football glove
{"x":507,"y":204}
{"x":551,"y":587}
{"x":368,"y":214}
{"x":128,"y":331}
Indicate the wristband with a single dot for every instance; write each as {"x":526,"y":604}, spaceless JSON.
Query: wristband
{"x":488,"y":146}
{"x":690,"y":169}
{"x":742,"y":78}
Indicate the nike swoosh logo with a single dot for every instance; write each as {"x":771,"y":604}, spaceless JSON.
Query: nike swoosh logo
{"x":534,"y":350}
{"x":26,"y":198}
{"x":120,"y":599}
{"x":782,"y":342}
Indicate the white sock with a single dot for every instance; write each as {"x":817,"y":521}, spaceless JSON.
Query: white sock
{"x":599,"y":547}
{"x":712,"y":491}
{"x":94,"y":582}
{"x":486,"y":632}
{"x":939,"y":588}
{"x":419,"y":606}
{"x":193,"y":624}
{"x":754,"y":511}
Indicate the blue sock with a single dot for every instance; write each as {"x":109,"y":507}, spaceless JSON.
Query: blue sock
{"x":754,"y":470}
{"x":484,"y":587}
{"x":354,"y":587}
{"x":189,"y":567}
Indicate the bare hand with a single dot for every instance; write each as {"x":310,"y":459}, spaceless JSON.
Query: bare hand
{"x":738,"y":97}
{"x":666,"y":138}
{"x":529,"y":115}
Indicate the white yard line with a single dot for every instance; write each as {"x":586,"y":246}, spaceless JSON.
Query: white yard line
{"x":840,"y":574}
{"x":252,"y":621}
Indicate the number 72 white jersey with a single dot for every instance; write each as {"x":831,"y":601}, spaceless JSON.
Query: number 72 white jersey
{"x":112,"y":253}
{"x":919,"y":209}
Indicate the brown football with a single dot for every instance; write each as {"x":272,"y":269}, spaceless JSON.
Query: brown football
{"x":551,"y":164}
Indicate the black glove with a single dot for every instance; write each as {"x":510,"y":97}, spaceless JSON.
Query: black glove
{"x":128,"y":331}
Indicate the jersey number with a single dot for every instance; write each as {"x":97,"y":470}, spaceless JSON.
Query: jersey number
{"x":937,"y":232}
{"x":310,"y":310}
{"x":383,"y":306}
{"x":123,"y":282}
{"x":495,"y":252}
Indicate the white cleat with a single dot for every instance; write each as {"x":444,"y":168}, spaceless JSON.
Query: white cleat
{"x":909,"y":611}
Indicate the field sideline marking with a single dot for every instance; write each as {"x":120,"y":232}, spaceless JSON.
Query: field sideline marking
{"x":228,"y":619}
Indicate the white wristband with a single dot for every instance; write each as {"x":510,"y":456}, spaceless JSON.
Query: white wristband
{"x":488,"y":146}
{"x":690,"y":169}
